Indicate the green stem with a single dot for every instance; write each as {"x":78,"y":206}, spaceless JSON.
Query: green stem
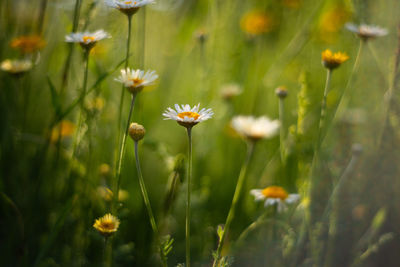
{"x":236,"y":196}
{"x":82,"y":104}
{"x":189,"y":178}
{"x":144,"y":191}
{"x":77,"y":10}
{"x":147,"y":202}
{"x":122,"y":151}
{"x":121,"y":101}
{"x":344,"y":99}
{"x":323,"y":109}
{"x":282,"y":129}
{"x":107,"y":252}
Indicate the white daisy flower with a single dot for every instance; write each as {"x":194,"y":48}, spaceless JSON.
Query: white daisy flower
{"x":16,"y":66}
{"x":135,"y":80}
{"x":255,"y":128}
{"x":275,"y":195}
{"x":366,"y":31}
{"x":187,"y":116}
{"x":87,"y":39}
{"x":128,"y":7}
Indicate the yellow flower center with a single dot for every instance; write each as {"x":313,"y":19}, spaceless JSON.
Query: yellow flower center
{"x":88,"y":38}
{"x":137,"y":82}
{"x":275,"y":192}
{"x":189,"y":114}
{"x":108,"y":225}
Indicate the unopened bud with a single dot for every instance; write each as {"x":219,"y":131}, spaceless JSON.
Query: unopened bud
{"x":281,"y":92}
{"x":136,"y":131}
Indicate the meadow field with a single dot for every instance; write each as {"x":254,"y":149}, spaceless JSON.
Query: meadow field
{"x":200,"y":133}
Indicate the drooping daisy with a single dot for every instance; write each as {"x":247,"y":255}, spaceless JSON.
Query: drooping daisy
{"x":28,"y":44}
{"x":135,"y":80}
{"x":187,"y":116}
{"x":106,"y":225}
{"x":275,"y":195}
{"x":365,"y":31}
{"x":16,"y":66}
{"x":255,"y":128}
{"x":333,"y":60}
{"x":128,"y":7}
{"x":87,"y":39}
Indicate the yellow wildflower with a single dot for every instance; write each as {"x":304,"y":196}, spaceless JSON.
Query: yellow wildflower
{"x":333,"y":60}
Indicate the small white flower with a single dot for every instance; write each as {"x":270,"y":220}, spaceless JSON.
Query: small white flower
{"x":228,"y":91}
{"x":366,"y":31}
{"x":135,"y":80}
{"x":16,"y":66}
{"x":87,"y":39}
{"x":255,"y":128}
{"x":128,"y":7}
{"x":275,"y":195}
{"x":187,"y":116}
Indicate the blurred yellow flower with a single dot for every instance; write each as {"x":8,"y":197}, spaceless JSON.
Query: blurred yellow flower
{"x":96,"y":104}
{"x":106,"y":225}
{"x":28,"y":44}
{"x":333,"y":60}
{"x":257,"y":22}
{"x":104,"y":169}
{"x":16,"y":66}
{"x":64,"y":129}
{"x":106,"y":193}
{"x":332,"y":21}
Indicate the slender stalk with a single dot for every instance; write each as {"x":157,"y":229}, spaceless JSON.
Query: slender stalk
{"x":236,"y":196}
{"x":323,"y":109}
{"x":42,"y":13}
{"x":144,"y":191}
{"x":77,"y":10}
{"x":82,"y":104}
{"x":107,"y":252}
{"x":343,"y":102}
{"x":189,"y":178}
{"x":121,"y":101}
{"x":282,"y":129}
{"x":122,"y":151}
{"x":147,"y":201}
{"x":313,"y":181}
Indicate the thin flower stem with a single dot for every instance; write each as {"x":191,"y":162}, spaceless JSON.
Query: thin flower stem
{"x":42,"y":13}
{"x":282,"y":129}
{"x":344,"y":99}
{"x":144,"y":191}
{"x":323,"y":109}
{"x":147,"y":202}
{"x":107,"y":252}
{"x":122,"y":151}
{"x":236,"y":196}
{"x":313,"y":181}
{"x":121,"y":101}
{"x":85,"y":78}
{"x":189,"y":178}
{"x":71,"y":46}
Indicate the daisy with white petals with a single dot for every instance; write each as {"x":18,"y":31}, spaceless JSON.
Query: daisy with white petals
{"x":366,"y":32}
{"x":187,"y":116}
{"x":87,"y":39}
{"x":135,"y":80}
{"x":255,"y":128}
{"x":128,"y":7}
{"x":275,"y":195}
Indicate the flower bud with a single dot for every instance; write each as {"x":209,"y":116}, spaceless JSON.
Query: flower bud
{"x":281,"y":92}
{"x":136,"y":131}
